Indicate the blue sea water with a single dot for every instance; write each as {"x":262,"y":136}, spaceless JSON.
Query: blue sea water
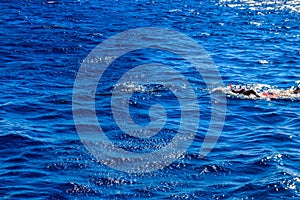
{"x":44,"y":43}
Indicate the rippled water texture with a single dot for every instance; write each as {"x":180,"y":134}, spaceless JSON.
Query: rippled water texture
{"x":43,"y":44}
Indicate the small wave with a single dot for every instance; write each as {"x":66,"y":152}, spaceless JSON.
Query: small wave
{"x":175,"y":10}
{"x":129,"y":87}
{"x":79,"y":189}
{"x":13,"y":140}
{"x":210,"y":169}
{"x":263,"y":62}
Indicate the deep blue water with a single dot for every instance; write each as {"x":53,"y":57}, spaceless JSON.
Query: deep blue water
{"x":43,"y":44}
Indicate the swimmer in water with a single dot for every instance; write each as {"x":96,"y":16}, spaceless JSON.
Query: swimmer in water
{"x":244,"y":91}
{"x":268,"y":95}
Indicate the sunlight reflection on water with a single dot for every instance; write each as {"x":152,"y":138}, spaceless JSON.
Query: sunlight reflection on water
{"x":292,"y":5}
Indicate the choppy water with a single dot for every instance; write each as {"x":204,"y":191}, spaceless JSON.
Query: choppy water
{"x":43,"y":44}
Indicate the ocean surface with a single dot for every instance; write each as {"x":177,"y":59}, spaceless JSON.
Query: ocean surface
{"x":43,"y":45}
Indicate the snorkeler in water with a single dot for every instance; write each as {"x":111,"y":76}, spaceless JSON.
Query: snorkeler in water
{"x":246,"y":92}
